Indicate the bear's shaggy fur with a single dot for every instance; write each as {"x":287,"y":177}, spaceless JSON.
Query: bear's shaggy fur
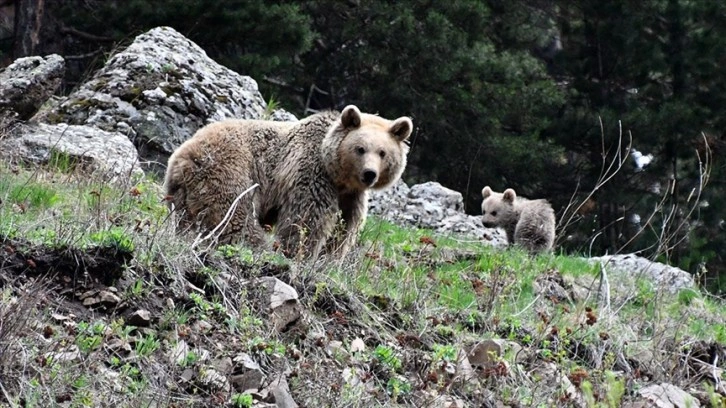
{"x":528,"y":223}
{"x":312,"y":177}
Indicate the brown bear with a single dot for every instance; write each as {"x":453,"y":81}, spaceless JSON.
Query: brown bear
{"x":312,"y":178}
{"x":528,"y":223}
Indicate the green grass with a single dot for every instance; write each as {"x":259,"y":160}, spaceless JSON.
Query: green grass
{"x":443,"y":291}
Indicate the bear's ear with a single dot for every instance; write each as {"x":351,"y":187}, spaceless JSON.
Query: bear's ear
{"x":486,"y":192}
{"x":350,"y":118}
{"x":401,"y":129}
{"x":509,"y":195}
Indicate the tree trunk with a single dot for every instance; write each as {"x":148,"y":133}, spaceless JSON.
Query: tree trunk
{"x":29,"y":19}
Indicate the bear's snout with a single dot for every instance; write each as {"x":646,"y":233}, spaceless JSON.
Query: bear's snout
{"x":369,"y":177}
{"x":489,"y":224}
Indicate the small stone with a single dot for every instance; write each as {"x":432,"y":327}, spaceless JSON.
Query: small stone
{"x":140,"y":318}
{"x":187,"y":375}
{"x":248,"y":375}
{"x":335,"y":348}
{"x":357,"y":345}
{"x":109,"y":298}
{"x":201,"y":326}
{"x":91,"y":301}
{"x":88,"y":294}
{"x":70,"y":354}
{"x":281,"y":392}
{"x":282,"y":300}
{"x":223,"y":365}
{"x":214,"y":379}
{"x":178,"y":355}
{"x":118,"y":346}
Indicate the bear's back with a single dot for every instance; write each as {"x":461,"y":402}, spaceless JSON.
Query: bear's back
{"x":536,"y":225}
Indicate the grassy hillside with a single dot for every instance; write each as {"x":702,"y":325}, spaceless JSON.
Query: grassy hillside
{"x":393,"y":326}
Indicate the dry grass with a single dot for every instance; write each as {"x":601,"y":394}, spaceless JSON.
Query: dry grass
{"x":390,"y":326}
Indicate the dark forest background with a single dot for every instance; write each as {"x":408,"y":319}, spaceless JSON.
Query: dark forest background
{"x":541,"y":96}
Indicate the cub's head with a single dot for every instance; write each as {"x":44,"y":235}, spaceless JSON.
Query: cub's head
{"x":372,"y":150}
{"x":497,"y":209}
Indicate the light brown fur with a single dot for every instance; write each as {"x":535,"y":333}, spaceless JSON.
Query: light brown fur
{"x":528,"y":223}
{"x":312,"y":175}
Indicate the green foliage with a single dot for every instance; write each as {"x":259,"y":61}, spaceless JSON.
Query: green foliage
{"x":90,"y":336}
{"x":34,"y":196}
{"x":386,"y":356}
{"x":397,"y":387}
{"x":61,"y":161}
{"x":614,"y":389}
{"x":116,"y":237}
{"x":147,"y":345}
{"x":481,"y":104}
{"x":256,"y":38}
{"x":445,"y":352}
{"x":242,"y":400}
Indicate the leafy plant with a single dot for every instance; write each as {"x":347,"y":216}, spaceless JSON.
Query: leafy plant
{"x":387,"y":357}
{"x":242,"y":400}
{"x":147,"y":345}
{"x":114,"y":237}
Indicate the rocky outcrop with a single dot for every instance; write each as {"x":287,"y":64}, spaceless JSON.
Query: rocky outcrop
{"x":627,"y":268}
{"x":433,"y":206}
{"x":158,"y":92}
{"x":666,"y":396}
{"x":26,"y":84}
{"x":108,"y":154}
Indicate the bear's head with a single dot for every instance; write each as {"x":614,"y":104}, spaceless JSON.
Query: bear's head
{"x":371,"y":152}
{"x":497,"y":209}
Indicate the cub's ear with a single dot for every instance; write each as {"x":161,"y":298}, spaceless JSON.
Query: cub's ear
{"x":509,"y":195}
{"x":401,"y":128}
{"x":486,"y":192}
{"x":350,"y":117}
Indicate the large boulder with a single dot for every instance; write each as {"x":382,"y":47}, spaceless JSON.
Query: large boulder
{"x":628,"y":268}
{"x":433,"y":206}
{"x":158,"y":92}
{"x":108,"y":154}
{"x":26,"y":84}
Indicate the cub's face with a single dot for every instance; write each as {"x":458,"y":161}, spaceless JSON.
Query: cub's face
{"x":497,"y":208}
{"x":372,"y":154}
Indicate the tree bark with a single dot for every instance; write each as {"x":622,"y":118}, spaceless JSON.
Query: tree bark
{"x":29,"y":18}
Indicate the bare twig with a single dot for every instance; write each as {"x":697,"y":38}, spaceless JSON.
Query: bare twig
{"x":223,"y":224}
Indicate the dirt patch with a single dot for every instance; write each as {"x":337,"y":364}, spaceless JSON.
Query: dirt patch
{"x":71,"y":266}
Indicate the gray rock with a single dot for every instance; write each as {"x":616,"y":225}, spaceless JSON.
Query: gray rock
{"x":281,"y":391}
{"x":432,"y":206}
{"x":629,"y":267}
{"x":28,"y":83}
{"x":213,"y":380}
{"x":158,"y":92}
{"x":66,"y":355}
{"x":223,"y":365}
{"x":178,"y":354}
{"x":281,"y":300}
{"x":140,"y":318}
{"x":668,"y":396}
{"x":281,"y":115}
{"x":248,"y":374}
{"x":109,"y":298}
{"x":109,"y":154}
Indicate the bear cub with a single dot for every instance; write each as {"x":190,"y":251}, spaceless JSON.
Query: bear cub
{"x":528,"y":223}
{"x":312,"y":178}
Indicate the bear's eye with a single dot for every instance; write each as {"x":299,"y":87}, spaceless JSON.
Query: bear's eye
{"x":360,"y":150}
{"x":494,"y":213}
{"x":382,"y":154}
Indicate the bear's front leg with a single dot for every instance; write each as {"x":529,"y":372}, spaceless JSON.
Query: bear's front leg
{"x":353,"y":211}
{"x":306,"y":219}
